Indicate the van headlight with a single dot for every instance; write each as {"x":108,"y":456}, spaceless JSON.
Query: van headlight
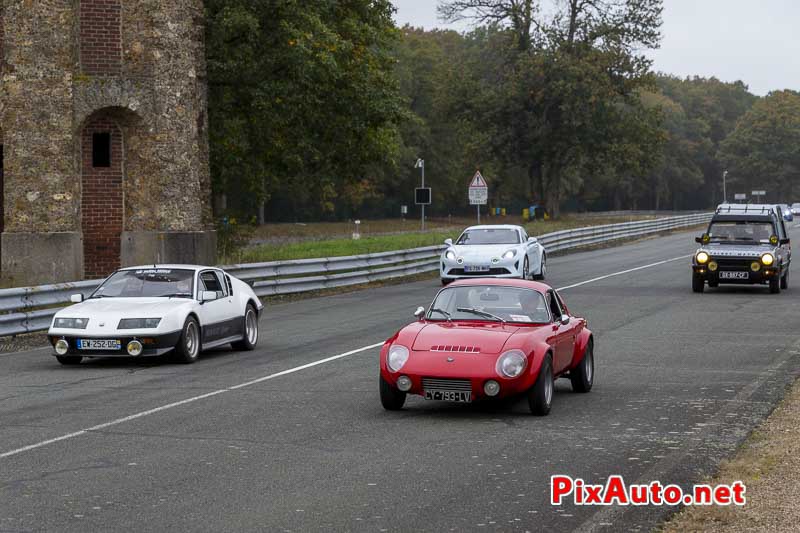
{"x":767,"y":259}
{"x":511,"y":364}
{"x":397,"y":357}
{"x":702,"y":258}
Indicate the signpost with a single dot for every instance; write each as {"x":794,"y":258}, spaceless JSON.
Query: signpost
{"x":478,"y":192}
{"x":739,"y":197}
{"x":422,"y":194}
{"x":762,"y":194}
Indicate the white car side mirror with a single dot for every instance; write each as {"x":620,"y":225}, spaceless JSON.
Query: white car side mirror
{"x":76,"y":298}
{"x":448,"y":242}
{"x":208,"y":296}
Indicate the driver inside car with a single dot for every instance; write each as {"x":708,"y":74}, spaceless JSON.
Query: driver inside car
{"x":533,"y":306}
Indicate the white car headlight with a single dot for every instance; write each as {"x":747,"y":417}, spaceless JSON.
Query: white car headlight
{"x":451,"y":255}
{"x":397,"y":357}
{"x":509,"y":254}
{"x":511,"y":364}
{"x":71,"y":323}
{"x":138,"y":323}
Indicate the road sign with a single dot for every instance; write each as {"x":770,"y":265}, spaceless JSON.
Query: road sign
{"x":759,"y":193}
{"x":740,"y":196}
{"x":422,"y":196}
{"x":478,"y":190}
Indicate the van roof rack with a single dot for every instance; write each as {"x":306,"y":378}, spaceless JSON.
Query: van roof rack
{"x":755,"y":209}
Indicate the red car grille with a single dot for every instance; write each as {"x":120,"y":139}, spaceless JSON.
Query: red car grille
{"x":450,"y":348}
{"x":446,"y":384}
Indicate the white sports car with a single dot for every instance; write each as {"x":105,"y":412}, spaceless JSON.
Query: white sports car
{"x":501,"y":251}
{"x":151,"y":310}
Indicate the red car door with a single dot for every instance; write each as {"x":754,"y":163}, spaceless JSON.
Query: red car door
{"x":563,"y":339}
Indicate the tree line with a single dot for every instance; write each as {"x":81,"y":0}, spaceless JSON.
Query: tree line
{"x":318,"y":111}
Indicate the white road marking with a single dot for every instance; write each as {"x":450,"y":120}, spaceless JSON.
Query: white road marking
{"x":273,"y":376}
{"x":651,"y":265}
{"x":184,"y":402}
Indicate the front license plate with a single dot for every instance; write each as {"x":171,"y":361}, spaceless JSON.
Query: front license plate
{"x":449,"y":395}
{"x":476,"y":269}
{"x":99,"y":344}
{"x":734,"y":275}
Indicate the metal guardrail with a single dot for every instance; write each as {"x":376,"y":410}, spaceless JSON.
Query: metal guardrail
{"x":29,"y":309}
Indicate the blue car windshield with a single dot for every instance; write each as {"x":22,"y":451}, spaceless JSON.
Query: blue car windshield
{"x":489,"y":236}
{"x":147,"y":283}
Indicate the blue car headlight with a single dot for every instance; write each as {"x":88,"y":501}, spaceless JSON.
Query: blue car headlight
{"x":138,"y":323}
{"x":71,"y":323}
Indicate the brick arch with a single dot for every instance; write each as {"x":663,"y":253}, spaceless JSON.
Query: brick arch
{"x":102,"y":198}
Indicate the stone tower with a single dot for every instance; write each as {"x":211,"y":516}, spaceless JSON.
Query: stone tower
{"x":104,"y":138}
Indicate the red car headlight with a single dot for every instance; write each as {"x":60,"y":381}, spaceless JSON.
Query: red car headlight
{"x":397,"y":357}
{"x":511,"y":364}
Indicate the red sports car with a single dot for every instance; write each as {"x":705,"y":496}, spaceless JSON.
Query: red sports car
{"x":488,"y":338}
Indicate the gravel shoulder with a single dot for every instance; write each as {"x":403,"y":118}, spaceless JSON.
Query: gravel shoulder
{"x":769,"y":464}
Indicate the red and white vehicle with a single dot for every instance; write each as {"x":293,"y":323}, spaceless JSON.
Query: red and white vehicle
{"x":488,"y":338}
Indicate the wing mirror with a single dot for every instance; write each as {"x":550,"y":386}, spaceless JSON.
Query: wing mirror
{"x":208,"y":296}
{"x":419,"y":313}
{"x":705,"y":238}
{"x":533,"y":239}
{"x":564,"y":320}
{"x":76,"y":298}
{"x":448,"y":242}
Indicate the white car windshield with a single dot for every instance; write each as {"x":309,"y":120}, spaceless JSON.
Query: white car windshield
{"x":490,"y":302}
{"x":155,"y":282}
{"x":489,"y":236}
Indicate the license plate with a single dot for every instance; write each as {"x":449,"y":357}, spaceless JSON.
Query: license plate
{"x":449,"y":395}
{"x":99,"y":344}
{"x":734,"y":275}
{"x":476,"y":269}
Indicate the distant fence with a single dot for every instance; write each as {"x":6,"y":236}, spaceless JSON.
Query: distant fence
{"x":29,"y":309}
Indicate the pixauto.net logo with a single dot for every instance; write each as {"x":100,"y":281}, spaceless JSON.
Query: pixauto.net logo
{"x":616,"y":492}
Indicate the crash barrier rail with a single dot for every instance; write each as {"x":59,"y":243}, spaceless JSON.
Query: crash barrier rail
{"x":29,"y":309}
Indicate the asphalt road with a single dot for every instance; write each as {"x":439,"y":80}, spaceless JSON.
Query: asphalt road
{"x":120,"y":444}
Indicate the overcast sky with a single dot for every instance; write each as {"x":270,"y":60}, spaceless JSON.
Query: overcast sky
{"x":756,"y":41}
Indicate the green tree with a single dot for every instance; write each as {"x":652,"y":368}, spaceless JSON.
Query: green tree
{"x":303,"y":102}
{"x":763,"y":152}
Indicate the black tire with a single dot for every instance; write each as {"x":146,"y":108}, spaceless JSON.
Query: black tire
{"x":69,"y":360}
{"x":526,"y":268}
{"x":189,"y":345}
{"x":785,"y":281}
{"x":540,"y":396}
{"x":250,"y":329}
{"x":392,"y":398}
{"x":775,"y":285}
{"x":582,"y":376}
{"x":542,"y":270}
{"x":698,"y":283}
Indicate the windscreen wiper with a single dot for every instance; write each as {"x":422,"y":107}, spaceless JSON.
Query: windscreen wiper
{"x":443,"y":312}
{"x":480,"y":313}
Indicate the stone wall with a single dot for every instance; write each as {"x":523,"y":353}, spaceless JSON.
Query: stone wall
{"x":137,"y":63}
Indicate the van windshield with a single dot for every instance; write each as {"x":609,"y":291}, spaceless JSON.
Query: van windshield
{"x":741,"y":232}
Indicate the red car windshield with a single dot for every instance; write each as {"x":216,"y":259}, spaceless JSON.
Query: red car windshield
{"x":492,"y":303}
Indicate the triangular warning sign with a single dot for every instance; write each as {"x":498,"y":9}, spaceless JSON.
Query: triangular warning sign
{"x":478,"y":181}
